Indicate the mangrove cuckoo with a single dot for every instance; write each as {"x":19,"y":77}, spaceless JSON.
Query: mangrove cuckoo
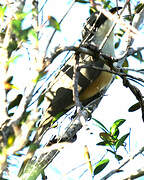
{"x":91,"y":81}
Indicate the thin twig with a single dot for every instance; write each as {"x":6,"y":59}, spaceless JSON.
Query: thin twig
{"x":75,"y":84}
{"x":78,"y":49}
{"x":119,"y":168}
{"x":73,"y":2}
{"x":136,"y":93}
{"x":116,"y":72}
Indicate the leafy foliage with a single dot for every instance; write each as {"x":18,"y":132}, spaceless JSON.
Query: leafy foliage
{"x":100,"y":166}
{"x":134,"y":107}
{"x":111,"y":138}
{"x":53,"y":23}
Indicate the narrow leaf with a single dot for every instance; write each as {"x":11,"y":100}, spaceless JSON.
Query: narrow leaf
{"x":82,"y":1}
{"x":34,"y":34}
{"x":121,"y":141}
{"x":118,"y":122}
{"x":102,"y":143}
{"x":118,"y":157}
{"x":15,"y":102}
{"x":13,"y":59}
{"x":100,"y":166}
{"x":16,"y":26}
{"x":41,"y":99}
{"x":100,"y":125}
{"x":113,"y":152}
{"x":134,"y":107}
{"x":87,"y":158}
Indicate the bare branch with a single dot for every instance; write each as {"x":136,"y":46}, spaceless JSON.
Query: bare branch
{"x":129,"y":52}
{"x":123,"y":164}
{"x":75,"y":84}
{"x":59,"y":50}
{"x":137,"y":174}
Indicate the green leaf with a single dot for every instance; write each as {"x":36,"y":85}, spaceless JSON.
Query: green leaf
{"x":102,"y":143}
{"x":114,"y":131}
{"x":107,"y":138}
{"x":41,"y":99}
{"x":16,"y":26}
{"x":15,"y":102}
{"x":2,"y":12}
{"x":100,"y":125}
{"x":118,"y":122}
{"x":21,"y":15}
{"x":24,"y":34}
{"x":57,"y":117}
{"x":82,"y":1}
{"x":13,"y":58}
{"x":113,"y":152}
{"x":107,"y":4}
{"x":34,"y":34}
{"x":12,"y":46}
{"x":92,"y":10}
{"x":100,"y":166}
{"x":134,"y":107}
{"x":53,"y":23}
{"x":118,"y":157}
{"x":114,"y":128}
{"x":121,"y":141}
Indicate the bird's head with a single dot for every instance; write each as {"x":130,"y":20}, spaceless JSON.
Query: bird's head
{"x":96,"y":29}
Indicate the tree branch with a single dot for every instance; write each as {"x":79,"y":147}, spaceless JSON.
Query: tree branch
{"x":123,"y":164}
{"x":35,"y":166}
{"x":137,"y":174}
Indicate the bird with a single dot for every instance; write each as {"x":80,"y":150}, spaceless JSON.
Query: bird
{"x":91,"y":81}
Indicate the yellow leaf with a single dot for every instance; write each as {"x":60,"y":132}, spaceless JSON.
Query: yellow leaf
{"x":9,"y":86}
{"x":87,"y":158}
{"x":10,"y":141}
